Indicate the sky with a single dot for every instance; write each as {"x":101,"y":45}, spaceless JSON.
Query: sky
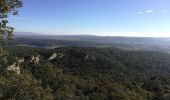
{"x":94,"y":17}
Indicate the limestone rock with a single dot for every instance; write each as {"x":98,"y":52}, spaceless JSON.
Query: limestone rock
{"x":35,"y":60}
{"x":56,"y":55}
{"x":14,"y":68}
{"x":20,"y":61}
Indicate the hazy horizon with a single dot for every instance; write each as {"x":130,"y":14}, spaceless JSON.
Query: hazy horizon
{"x":142,"y":18}
{"x":104,"y":35}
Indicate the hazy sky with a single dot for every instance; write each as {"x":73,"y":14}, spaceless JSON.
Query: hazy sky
{"x":95,"y":17}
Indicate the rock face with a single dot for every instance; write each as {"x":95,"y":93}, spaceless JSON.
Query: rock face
{"x":60,"y":55}
{"x":20,"y":61}
{"x":89,"y":57}
{"x":56,"y":55}
{"x":14,"y":68}
{"x":35,"y":60}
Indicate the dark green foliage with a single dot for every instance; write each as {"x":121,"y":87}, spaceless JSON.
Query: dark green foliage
{"x":87,"y":74}
{"x":51,"y":43}
{"x":7,"y":7}
{"x":22,"y":87}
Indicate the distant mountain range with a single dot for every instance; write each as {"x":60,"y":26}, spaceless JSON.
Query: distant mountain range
{"x":127,"y":43}
{"x":26,"y":33}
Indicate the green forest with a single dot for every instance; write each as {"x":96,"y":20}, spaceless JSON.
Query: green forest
{"x":80,"y":73}
{"x":50,"y":66}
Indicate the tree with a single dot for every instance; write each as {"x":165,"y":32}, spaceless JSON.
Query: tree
{"x":22,"y":87}
{"x":7,"y":7}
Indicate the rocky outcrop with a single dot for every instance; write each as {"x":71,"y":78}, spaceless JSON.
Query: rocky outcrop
{"x":56,"y":55}
{"x":89,"y":57}
{"x":60,"y":55}
{"x":15,"y":68}
{"x":35,"y":60}
{"x":20,"y":61}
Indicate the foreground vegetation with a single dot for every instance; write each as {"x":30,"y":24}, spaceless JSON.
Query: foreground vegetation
{"x":85,"y":74}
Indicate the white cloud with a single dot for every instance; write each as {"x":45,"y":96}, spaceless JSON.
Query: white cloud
{"x":152,"y":11}
{"x":146,"y":11}
{"x":149,"y":11}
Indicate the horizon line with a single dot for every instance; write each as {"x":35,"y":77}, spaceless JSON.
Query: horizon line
{"x":43,"y":34}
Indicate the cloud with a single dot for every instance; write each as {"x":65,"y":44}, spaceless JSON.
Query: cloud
{"x":149,"y":11}
{"x":146,"y":11}
{"x":152,"y":11}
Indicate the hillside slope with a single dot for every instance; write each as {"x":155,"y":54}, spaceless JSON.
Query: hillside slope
{"x":85,"y":73}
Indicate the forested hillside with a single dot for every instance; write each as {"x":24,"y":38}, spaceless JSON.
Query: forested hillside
{"x":126,"y":43}
{"x":79,"y":73}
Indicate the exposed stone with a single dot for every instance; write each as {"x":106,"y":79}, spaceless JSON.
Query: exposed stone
{"x":60,"y":55}
{"x":35,"y":60}
{"x":32,"y":58}
{"x":14,"y":68}
{"x":20,"y":61}
{"x":87,"y":57}
{"x":56,"y":55}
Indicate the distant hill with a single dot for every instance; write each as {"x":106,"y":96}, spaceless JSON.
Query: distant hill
{"x":25,"y":33}
{"x":52,"y":43}
{"x":98,"y":39}
{"x":126,"y":43}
